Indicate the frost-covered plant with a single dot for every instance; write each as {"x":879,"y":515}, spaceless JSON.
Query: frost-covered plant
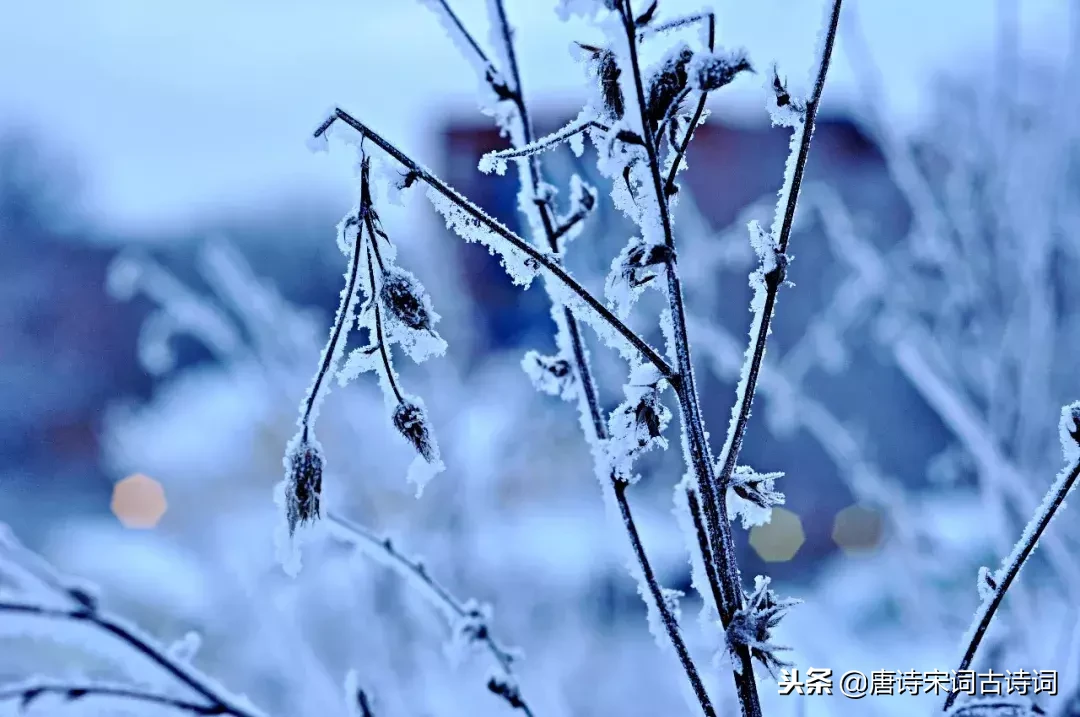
{"x":641,"y":124}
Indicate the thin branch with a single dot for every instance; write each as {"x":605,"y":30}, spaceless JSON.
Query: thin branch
{"x":543,"y":144}
{"x":491,"y":73}
{"x":219,"y":703}
{"x":1055,"y":499}
{"x":542,"y":258}
{"x":27,"y":692}
{"x":383,"y":551}
{"x":589,"y":393}
{"x":774,"y":279}
{"x":699,"y":112}
{"x":341,"y":320}
{"x":727,"y":582}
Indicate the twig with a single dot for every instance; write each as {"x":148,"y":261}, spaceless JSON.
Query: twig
{"x":589,"y":400}
{"x":383,"y":550}
{"x":27,"y":692}
{"x":721,"y":545}
{"x":1055,"y":498}
{"x":773,"y":280}
{"x":219,"y":702}
{"x":542,"y":258}
{"x":699,"y":111}
{"x":545,"y":143}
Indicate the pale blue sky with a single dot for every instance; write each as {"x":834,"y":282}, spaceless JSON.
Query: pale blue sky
{"x":176,"y":106}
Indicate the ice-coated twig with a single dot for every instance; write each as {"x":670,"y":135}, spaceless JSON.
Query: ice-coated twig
{"x":717,"y":537}
{"x":383,"y":551}
{"x":1001,"y":579}
{"x":26,"y":693}
{"x":58,"y":598}
{"x":515,"y":244}
{"x":496,"y":160}
{"x":774,"y":265}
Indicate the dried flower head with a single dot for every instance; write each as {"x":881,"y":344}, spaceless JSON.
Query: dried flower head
{"x":411,"y":421}
{"x":667,"y":83}
{"x":713,"y":70}
{"x":751,"y":626}
{"x":752,"y":495}
{"x":304,"y":463}
{"x":607,"y":73}
{"x":405,"y":299}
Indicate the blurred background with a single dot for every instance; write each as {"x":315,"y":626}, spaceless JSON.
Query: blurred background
{"x":169,"y":274}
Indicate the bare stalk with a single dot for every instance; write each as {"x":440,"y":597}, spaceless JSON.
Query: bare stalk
{"x":774,"y":279}
{"x":455,"y":610}
{"x":581,"y":366}
{"x":218,"y":702}
{"x":28,"y":692}
{"x":1004,"y":578}
{"x":719,"y":539}
{"x":542,"y":258}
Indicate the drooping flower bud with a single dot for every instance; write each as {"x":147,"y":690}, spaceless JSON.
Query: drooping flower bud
{"x":712,"y":70}
{"x":405,"y":299}
{"x":304,"y":462}
{"x":411,"y":421}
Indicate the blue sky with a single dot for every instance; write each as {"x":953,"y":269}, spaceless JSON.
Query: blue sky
{"x":173,"y":108}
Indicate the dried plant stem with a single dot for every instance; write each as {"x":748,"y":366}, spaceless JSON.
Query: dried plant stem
{"x":383,"y":550}
{"x":726,"y":582}
{"x":542,"y":258}
{"x":218,"y":703}
{"x":72,"y":691}
{"x":745,"y":398}
{"x":588,"y":384}
{"x":1023,"y":549}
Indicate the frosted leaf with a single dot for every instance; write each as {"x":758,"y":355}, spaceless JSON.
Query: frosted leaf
{"x":521,"y":267}
{"x":751,"y":496}
{"x":784,"y":110}
{"x":552,"y":375}
{"x":666,"y":84}
{"x":632,"y":271}
{"x":359,"y":361}
{"x":348,"y":231}
{"x":637,"y":425}
{"x":712,"y":70}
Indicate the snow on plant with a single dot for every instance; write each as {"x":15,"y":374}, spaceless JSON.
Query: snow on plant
{"x":642,"y":120}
